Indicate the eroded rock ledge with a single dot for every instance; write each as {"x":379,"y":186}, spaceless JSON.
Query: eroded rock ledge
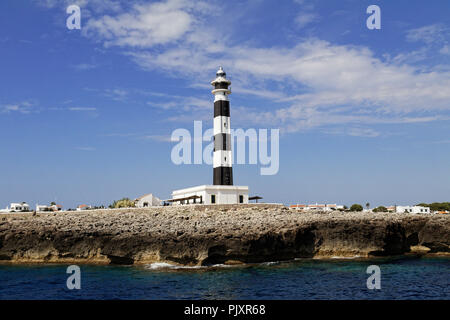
{"x":204,"y":235}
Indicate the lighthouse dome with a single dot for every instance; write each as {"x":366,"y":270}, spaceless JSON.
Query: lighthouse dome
{"x":221,"y":81}
{"x":221,"y":73}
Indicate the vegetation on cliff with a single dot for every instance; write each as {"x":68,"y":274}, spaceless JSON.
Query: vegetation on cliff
{"x":122,"y":203}
{"x":356,"y":207}
{"x":437,"y":206}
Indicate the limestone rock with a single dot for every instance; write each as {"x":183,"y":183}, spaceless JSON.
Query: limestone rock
{"x":202,"y":235}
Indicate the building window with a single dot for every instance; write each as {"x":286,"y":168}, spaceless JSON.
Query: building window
{"x":241,"y":198}
{"x":213,"y":198}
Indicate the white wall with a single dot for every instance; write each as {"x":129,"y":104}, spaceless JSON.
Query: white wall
{"x":229,"y":196}
{"x":150,"y":199}
{"x":40,"y":208}
{"x":224,"y":194}
{"x":412,"y":209}
{"x":19,"y":206}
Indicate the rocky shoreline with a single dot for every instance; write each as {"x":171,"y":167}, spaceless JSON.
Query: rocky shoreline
{"x":207,"y":235}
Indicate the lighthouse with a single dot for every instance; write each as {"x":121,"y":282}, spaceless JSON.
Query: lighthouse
{"x":222,"y":164}
{"x":222,"y":191}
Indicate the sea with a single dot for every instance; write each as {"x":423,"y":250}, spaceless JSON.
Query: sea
{"x":410,"y":278}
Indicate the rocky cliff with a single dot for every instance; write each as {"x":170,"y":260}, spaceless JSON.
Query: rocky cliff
{"x":203,"y":235}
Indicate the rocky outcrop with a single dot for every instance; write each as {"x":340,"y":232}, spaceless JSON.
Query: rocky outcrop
{"x":203,"y":235}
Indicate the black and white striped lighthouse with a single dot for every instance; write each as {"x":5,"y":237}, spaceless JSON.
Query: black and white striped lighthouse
{"x":222,"y":191}
{"x":223,"y":171}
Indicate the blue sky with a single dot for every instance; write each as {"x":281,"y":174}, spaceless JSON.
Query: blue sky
{"x":86,"y":115}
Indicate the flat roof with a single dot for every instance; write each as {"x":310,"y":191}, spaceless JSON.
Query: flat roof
{"x":209,"y":187}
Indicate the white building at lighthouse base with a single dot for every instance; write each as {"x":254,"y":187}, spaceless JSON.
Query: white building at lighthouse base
{"x":211,"y":194}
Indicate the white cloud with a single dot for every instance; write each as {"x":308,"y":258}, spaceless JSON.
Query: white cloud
{"x":24,"y":107}
{"x":183,"y":103}
{"x":363,"y":132}
{"x":429,"y":34}
{"x":436,"y":39}
{"x":12,"y":107}
{"x":145,"y":25}
{"x":116,"y":94}
{"x":356,"y":132}
{"x":330,"y":75}
{"x":445,"y":50}
{"x":305,"y":18}
{"x":158,"y":138}
{"x":410,"y":57}
{"x":82,"y":109}
{"x":94,"y":5}
{"x":321,"y":83}
{"x":84,"y":66}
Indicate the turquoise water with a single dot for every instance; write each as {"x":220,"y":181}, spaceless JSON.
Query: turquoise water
{"x":405,"y":278}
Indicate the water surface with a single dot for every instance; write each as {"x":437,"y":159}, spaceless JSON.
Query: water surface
{"x":401,"y":278}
